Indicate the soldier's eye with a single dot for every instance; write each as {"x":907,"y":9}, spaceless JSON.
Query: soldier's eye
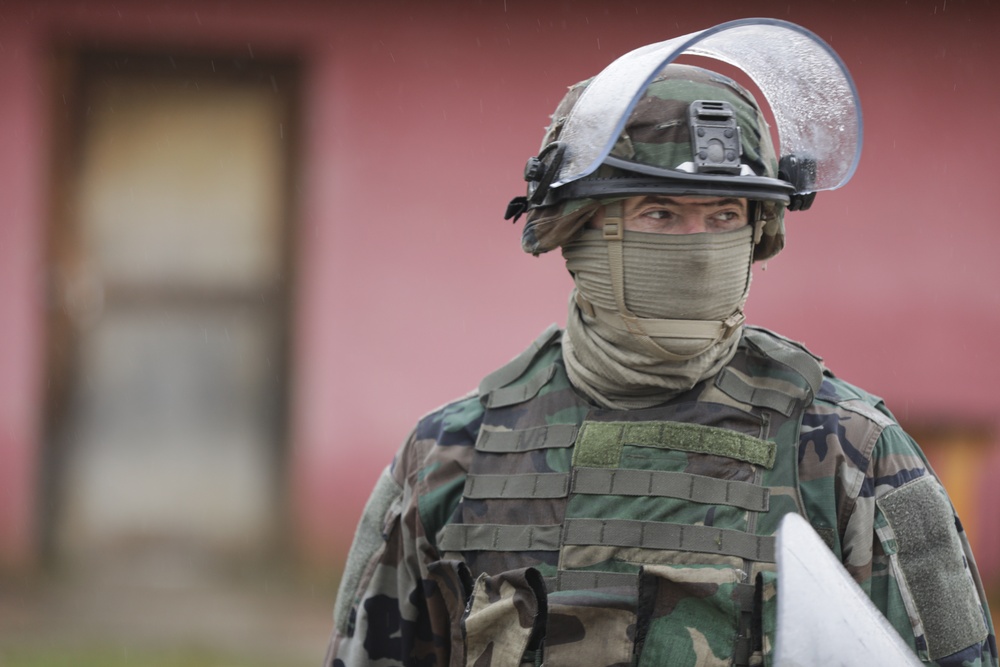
{"x":727,"y":216}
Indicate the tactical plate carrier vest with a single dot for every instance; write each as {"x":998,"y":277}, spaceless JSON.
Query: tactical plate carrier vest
{"x":647,"y":537}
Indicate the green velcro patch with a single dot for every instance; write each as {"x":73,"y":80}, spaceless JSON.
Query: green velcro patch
{"x":367,"y":541}
{"x":599,"y":444}
{"x":932,"y":561}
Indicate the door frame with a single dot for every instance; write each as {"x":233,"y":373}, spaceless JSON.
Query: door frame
{"x":72,"y":69}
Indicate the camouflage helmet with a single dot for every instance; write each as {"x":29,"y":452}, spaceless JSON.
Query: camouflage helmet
{"x":653,"y":155}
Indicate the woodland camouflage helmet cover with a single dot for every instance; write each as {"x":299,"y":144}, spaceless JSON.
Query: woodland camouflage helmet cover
{"x":658,"y":134}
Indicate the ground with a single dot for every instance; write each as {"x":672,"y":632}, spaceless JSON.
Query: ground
{"x":123,"y":619}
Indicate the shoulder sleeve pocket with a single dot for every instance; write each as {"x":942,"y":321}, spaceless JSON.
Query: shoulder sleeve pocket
{"x":382,"y":505}
{"x":930,"y":567}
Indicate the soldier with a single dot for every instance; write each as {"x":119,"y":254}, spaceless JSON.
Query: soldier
{"x":611,"y":496}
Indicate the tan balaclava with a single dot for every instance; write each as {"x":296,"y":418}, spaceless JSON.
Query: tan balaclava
{"x":654,"y":314}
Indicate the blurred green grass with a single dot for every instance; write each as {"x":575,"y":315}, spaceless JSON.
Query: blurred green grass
{"x":109,"y":656}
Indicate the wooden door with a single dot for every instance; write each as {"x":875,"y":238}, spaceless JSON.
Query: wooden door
{"x":170,"y":287}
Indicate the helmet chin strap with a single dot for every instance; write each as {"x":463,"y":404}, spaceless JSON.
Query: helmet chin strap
{"x":645,"y":329}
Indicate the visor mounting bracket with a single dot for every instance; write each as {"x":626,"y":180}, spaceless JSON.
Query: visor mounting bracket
{"x":716,"y":144}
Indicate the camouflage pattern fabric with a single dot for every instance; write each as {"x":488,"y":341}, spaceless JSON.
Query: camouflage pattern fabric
{"x":505,"y":618}
{"x":624,"y":599}
{"x":657,"y":134}
{"x":673,"y":595}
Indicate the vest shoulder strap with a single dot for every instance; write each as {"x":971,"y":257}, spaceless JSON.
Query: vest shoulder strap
{"x":496,"y":389}
{"x":788,"y":353}
{"x":790,"y":377}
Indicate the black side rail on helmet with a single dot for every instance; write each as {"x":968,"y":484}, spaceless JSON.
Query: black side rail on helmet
{"x":800,"y":171}
{"x":539,"y":172}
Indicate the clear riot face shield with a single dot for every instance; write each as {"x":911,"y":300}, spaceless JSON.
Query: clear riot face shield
{"x":806,"y":85}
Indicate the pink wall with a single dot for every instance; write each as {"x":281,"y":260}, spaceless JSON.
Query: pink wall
{"x":896,"y":292}
{"x":410,"y":287}
{"x":22,"y":151}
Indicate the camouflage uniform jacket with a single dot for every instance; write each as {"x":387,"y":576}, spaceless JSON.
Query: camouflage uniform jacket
{"x":521,"y":525}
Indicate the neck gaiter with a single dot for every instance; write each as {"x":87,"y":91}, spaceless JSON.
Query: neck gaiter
{"x":653,"y":314}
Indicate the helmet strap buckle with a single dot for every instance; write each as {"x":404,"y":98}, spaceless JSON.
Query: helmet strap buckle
{"x":613,"y":229}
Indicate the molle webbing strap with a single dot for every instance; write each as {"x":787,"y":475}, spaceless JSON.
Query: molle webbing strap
{"x":600,"y":532}
{"x":790,"y":355}
{"x":669,"y":536}
{"x":519,"y":393}
{"x":599,"y":444}
{"x":534,"y":485}
{"x":498,"y":537}
{"x":576,"y":580}
{"x":516,"y":367}
{"x":665,"y":484}
{"x":555,"y":436}
{"x":738,"y":388}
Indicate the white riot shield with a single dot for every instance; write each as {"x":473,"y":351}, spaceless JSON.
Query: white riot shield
{"x":824,"y":618}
